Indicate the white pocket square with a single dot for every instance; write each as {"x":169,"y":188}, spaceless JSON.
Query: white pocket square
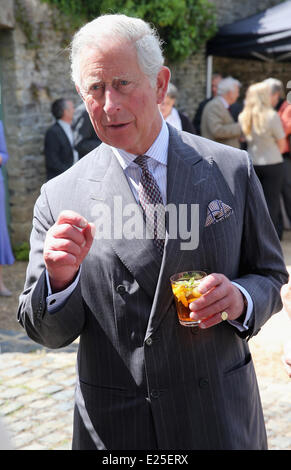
{"x":217,"y":211}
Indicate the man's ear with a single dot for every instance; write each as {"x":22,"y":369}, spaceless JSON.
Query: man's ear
{"x":163,"y":79}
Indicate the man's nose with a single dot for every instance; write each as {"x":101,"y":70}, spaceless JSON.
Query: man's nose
{"x":111,"y":101}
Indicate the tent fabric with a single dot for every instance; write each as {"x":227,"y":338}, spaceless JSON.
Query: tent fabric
{"x":265,"y":36}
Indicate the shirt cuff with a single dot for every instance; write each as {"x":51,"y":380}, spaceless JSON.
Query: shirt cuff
{"x":238,"y":325}
{"x":55,"y":301}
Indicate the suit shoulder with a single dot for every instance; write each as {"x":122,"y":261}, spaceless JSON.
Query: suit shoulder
{"x":212,"y":104}
{"x":223,"y":155}
{"x":51,"y":129}
{"x":54,"y":130}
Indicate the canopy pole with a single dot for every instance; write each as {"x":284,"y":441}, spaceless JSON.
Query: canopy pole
{"x":209,"y":66}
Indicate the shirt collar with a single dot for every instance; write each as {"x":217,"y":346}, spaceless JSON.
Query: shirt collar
{"x":158,"y":151}
{"x":64,"y":124}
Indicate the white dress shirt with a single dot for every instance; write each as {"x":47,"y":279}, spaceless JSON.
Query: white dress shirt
{"x":157,"y":164}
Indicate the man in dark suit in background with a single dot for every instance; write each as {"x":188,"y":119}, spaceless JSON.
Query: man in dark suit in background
{"x":143,"y":380}
{"x":85,"y":138}
{"x":59,"y":141}
{"x":216,"y":77}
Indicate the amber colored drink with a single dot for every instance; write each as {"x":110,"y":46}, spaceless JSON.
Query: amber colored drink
{"x":185,"y":290}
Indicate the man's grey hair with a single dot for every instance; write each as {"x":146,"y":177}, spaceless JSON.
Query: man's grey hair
{"x":115,"y":28}
{"x":275,"y":86}
{"x":227,"y":84}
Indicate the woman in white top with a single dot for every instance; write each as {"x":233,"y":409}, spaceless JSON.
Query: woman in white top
{"x":265,"y":136}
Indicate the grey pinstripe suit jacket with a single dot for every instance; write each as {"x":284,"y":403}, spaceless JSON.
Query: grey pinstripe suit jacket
{"x":144,"y":381}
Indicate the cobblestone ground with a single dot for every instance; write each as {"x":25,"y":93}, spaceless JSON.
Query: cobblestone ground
{"x":37,"y":384}
{"x":36,"y":399}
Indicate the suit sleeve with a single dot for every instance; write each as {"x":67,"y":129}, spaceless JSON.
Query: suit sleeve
{"x":262,"y":269}
{"x":51,"y":330}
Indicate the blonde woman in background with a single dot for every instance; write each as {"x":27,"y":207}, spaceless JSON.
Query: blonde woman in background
{"x":265,"y":136}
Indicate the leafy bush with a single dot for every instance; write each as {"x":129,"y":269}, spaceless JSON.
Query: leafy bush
{"x":21,"y":251}
{"x":184,"y":25}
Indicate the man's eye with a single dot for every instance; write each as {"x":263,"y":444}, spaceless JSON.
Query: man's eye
{"x":124,"y":82}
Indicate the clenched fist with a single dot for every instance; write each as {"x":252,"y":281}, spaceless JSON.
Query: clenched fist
{"x":67,"y":243}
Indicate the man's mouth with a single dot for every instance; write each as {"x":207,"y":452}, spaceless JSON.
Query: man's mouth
{"x":118,"y":125}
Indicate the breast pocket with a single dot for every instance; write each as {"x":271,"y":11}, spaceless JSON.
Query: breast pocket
{"x":220,"y":244}
{"x":224,"y":227}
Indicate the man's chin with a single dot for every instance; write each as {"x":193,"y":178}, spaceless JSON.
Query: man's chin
{"x":121,"y":142}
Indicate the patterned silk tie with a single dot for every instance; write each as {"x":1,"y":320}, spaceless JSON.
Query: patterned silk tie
{"x":152,"y":203}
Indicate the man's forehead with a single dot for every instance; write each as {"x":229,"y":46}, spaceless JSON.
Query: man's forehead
{"x":95,"y":65}
{"x":107,"y":49}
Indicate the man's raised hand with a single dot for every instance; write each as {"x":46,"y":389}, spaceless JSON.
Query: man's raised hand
{"x":67,"y":243}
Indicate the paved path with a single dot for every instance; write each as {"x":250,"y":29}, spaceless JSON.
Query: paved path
{"x":37,"y":386}
{"x":36,"y":392}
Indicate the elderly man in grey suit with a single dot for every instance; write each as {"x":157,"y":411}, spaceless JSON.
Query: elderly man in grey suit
{"x":217,"y":122}
{"x":145,"y":381}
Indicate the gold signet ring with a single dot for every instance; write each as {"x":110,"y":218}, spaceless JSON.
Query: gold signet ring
{"x":224,"y":316}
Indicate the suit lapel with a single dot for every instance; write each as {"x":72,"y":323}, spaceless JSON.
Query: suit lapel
{"x":108,"y":188}
{"x":140,"y":256}
{"x":187,"y":178}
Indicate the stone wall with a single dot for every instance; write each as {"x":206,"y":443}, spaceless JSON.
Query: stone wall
{"x":35,"y":72}
{"x":7,"y":20}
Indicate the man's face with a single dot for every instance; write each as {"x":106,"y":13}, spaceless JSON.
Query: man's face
{"x":121,"y":102}
{"x":233,"y":94}
{"x":215,"y":82}
{"x":69,"y":111}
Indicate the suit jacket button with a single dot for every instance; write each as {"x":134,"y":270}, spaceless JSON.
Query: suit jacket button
{"x":121,"y":289}
{"x":203,"y":382}
{"x":194,"y":330}
{"x":149,"y":341}
{"x":155,"y":393}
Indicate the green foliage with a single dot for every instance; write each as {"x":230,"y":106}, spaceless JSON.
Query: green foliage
{"x":21,"y":251}
{"x":184,"y":25}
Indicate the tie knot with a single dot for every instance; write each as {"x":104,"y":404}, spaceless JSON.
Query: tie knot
{"x":142,"y":161}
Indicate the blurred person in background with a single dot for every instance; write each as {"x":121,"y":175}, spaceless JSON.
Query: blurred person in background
{"x":216,"y":77}
{"x":217,"y":122}
{"x":59,"y":140}
{"x":171,"y":114}
{"x":6,"y":255}
{"x":281,"y":105}
{"x":265,"y":137}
